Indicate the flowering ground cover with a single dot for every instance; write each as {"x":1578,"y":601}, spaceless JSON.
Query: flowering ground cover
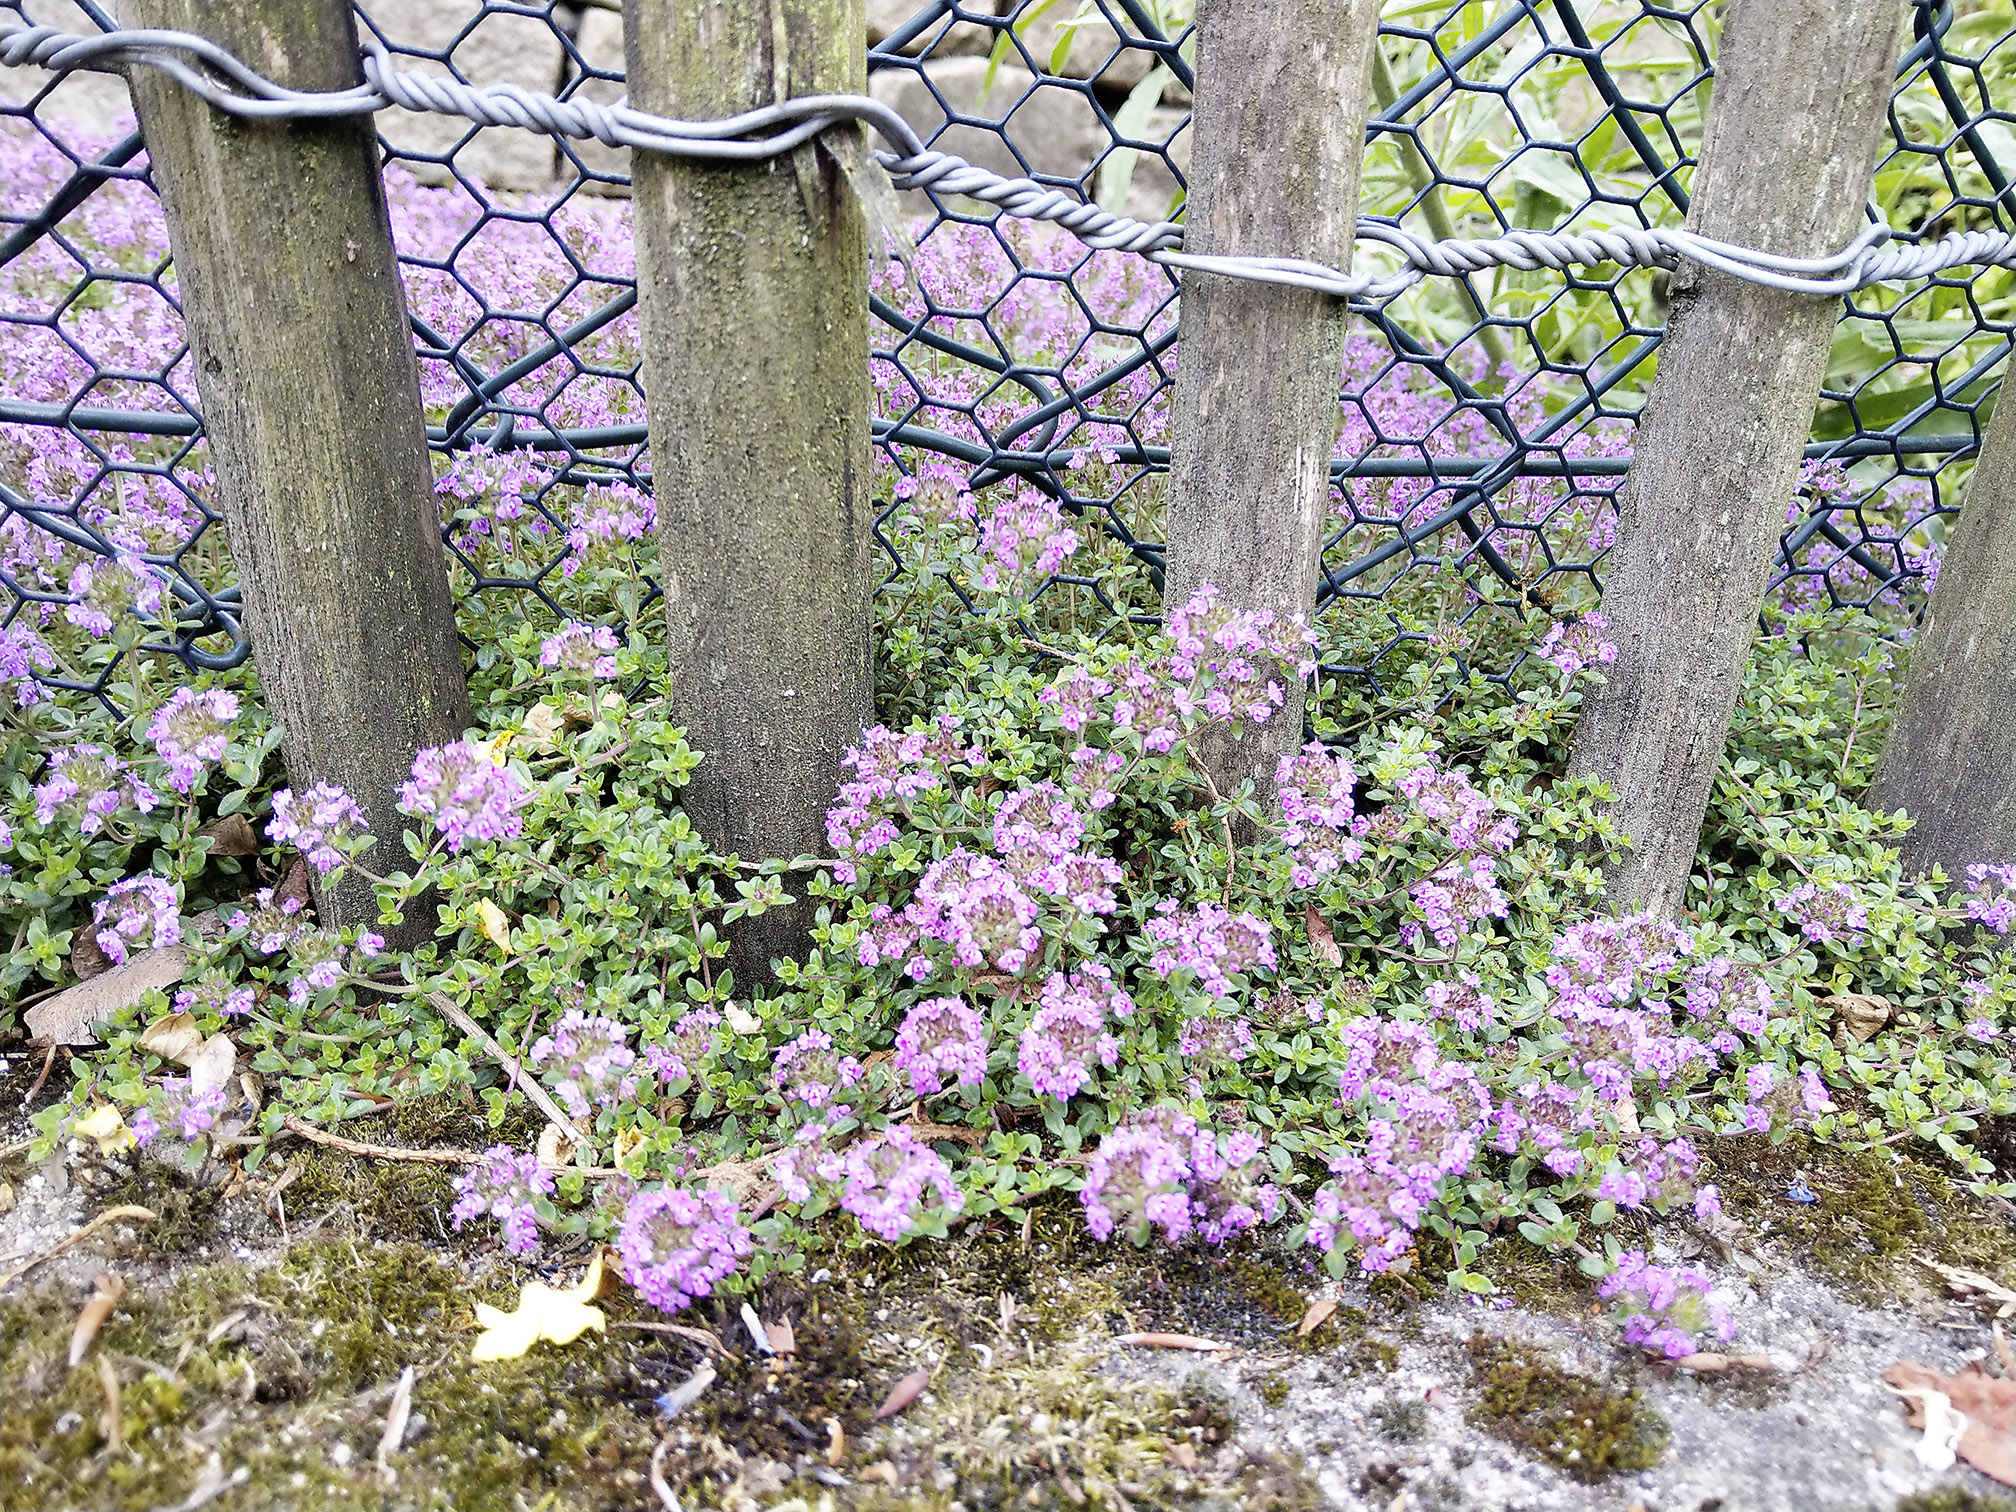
{"x":1069,"y":1017}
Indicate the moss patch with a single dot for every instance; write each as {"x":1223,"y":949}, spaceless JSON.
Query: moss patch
{"x":1588,"y":1428}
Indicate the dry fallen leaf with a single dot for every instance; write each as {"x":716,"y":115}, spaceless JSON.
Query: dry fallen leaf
{"x":555,"y":1150}
{"x":783,"y":1338}
{"x":1862,"y":1014}
{"x":107,"y":1289}
{"x":174,"y":1037}
{"x":232,"y":835}
{"x":112,"y":1422}
{"x":396,"y":1418}
{"x":740,"y":1019}
{"x":1711,"y":1363}
{"x":496,"y":924}
{"x":105,"y":1125}
{"x":87,"y":960}
{"x":66,"y":1018}
{"x":1973,"y":1285}
{"x":1317,"y":1315}
{"x":1172,"y":1341}
{"x":541,"y":726}
{"x":212,"y":1065}
{"x":1184,"y":1454}
{"x":1987,"y":1403}
{"x":1321,"y":940}
{"x":758,"y":1334}
{"x":560,"y":1317}
{"x":903,"y":1393}
{"x":836,"y":1443}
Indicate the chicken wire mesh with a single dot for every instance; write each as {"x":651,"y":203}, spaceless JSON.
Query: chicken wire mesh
{"x":1486,"y":421}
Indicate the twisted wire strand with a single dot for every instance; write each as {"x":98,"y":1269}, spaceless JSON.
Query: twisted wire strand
{"x":756,"y":135}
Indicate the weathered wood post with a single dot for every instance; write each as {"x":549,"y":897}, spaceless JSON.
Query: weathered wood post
{"x":1951,"y":755}
{"x":1800,"y":91}
{"x":311,"y":399}
{"x":752,"y":283}
{"x":1284,"y":87}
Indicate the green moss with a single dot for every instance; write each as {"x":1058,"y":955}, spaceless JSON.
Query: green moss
{"x":1954,"y":1499}
{"x":1588,"y":1428}
{"x":1404,"y":1421}
{"x":1274,"y":1389}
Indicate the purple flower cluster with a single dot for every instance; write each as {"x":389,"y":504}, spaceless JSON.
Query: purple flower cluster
{"x":316,"y":956}
{"x":1067,"y":1034}
{"x":587,"y":1062}
{"x":942,"y":1041}
{"x":808,"y":1072}
{"x":178,"y":1101}
{"x":216,"y":993}
{"x":1075,"y":697}
{"x":1315,"y":785}
{"x":1160,"y":1170}
{"x":1458,"y":895}
{"x":1022,"y":535}
{"x":605,"y":515}
{"x":1604,"y":961}
{"x":887,"y":1181}
{"x":1824,"y":914}
{"x":86,"y":785}
{"x":190,"y":730}
{"x":270,"y":925}
{"x":1576,"y":645}
{"x":22,"y":655}
{"x":678,"y":1245}
{"x":1736,"y":992}
{"x":1038,"y":834}
{"x":1210,"y":943}
{"x":584,"y":650}
{"x":889,"y":770}
{"x":1463,"y":1002}
{"x":507,"y":1186}
{"x":1663,"y":1307}
{"x":688,"y":1047}
{"x":1212,"y":1037}
{"x":1450,"y":802}
{"x":143,"y":910}
{"x":1991,"y":895}
{"x":324,"y":824}
{"x":968,"y":902}
{"x":109,"y":590}
{"x":466,"y":795}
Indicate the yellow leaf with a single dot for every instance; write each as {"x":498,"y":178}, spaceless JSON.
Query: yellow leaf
{"x":559,"y":1317}
{"x":496,"y":925}
{"x":108,"y":1128}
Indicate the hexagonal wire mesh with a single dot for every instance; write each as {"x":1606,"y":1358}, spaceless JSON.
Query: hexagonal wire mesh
{"x":1486,"y":421}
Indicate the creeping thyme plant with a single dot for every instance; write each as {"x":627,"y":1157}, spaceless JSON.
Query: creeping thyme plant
{"x":1373,"y":1001}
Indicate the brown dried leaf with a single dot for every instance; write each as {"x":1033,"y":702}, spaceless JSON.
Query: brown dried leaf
{"x":1862,"y":1014}
{"x":1974,"y":1286}
{"x":294,"y":885}
{"x":1172,"y":1341}
{"x":836,"y":1443}
{"x":86,"y":959}
{"x":396,"y":1417}
{"x":107,"y":1289}
{"x":931,"y":1133}
{"x":903,"y":1393}
{"x":1317,"y":1315}
{"x":66,"y":1018}
{"x":232,"y":835}
{"x":1184,"y":1454}
{"x":174,"y":1038}
{"x":1321,"y":940}
{"x":783,"y":1338}
{"x":1988,"y":1442}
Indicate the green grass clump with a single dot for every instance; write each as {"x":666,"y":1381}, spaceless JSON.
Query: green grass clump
{"x":1587,"y":1428}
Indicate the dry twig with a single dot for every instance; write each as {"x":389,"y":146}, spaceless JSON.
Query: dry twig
{"x":110,"y":1215}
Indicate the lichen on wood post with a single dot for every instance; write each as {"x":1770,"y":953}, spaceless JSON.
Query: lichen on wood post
{"x":1950,"y":759}
{"x":752,"y":282}
{"x":1279,"y":132}
{"x":304,"y":363}
{"x":1800,"y":91}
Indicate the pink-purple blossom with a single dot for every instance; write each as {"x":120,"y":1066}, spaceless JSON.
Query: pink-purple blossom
{"x":468,"y":796}
{"x":1067,"y":1035}
{"x":1664,"y":1308}
{"x":141,"y":911}
{"x":191,"y":730}
{"x":324,"y":824}
{"x":1575,"y":645}
{"x":1211,"y":943}
{"x":506,"y":1186}
{"x":587,"y":1062}
{"x":1160,"y":1170}
{"x":87,"y":785}
{"x":942,"y":1042}
{"x":677,"y":1245}
{"x":810,"y":1072}
{"x":584,"y":650}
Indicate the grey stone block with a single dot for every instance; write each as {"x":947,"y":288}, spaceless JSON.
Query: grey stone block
{"x":500,"y":49}
{"x":945,"y":38}
{"x":1051,"y":122}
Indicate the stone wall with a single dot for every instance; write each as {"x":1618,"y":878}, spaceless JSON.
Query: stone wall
{"x":1025,"y":119}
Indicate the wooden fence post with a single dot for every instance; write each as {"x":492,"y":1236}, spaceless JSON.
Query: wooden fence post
{"x":1279,"y":131}
{"x":1800,"y":91}
{"x":752,"y":283}
{"x":304,"y":363}
{"x":1952,"y":747}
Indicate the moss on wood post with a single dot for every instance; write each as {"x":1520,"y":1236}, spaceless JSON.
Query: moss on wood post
{"x":1800,"y":91}
{"x":1279,"y":130}
{"x":304,"y":363}
{"x":1951,"y":755}
{"x":752,"y":281}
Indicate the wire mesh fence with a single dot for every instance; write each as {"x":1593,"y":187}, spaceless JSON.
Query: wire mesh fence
{"x":1487,"y":420}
